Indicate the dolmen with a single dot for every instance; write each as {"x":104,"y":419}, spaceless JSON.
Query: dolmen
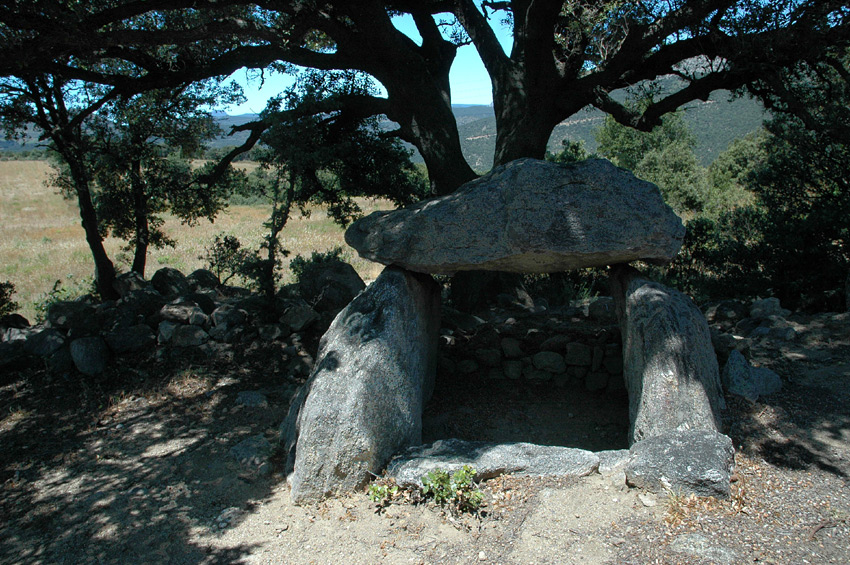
{"x":360,"y":412}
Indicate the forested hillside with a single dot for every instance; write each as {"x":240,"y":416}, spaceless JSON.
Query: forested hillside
{"x":716,"y":123}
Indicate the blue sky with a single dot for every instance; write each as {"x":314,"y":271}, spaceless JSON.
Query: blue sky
{"x":469,"y":80}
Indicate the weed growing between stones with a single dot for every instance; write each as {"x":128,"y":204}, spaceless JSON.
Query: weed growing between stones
{"x":456,"y":492}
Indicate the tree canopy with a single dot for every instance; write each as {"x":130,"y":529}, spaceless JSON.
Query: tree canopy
{"x":565,"y":55}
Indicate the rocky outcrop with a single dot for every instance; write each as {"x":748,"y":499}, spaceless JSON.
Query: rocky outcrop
{"x":527,"y":216}
{"x":363,"y":403}
{"x":670,"y":368}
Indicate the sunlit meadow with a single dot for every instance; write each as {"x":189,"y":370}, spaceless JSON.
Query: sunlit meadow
{"x":41,"y":240}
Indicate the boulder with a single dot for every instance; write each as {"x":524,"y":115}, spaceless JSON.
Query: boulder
{"x":740,"y":378}
{"x":202,"y":300}
{"x":683,"y":462}
{"x":45,"y":343}
{"x":363,"y":402}
{"x":600,"y":309}
{"x":669,"y":364}
{"x":125,"y":283}
{"x":187,"y":336}
{"x":71,"y":315}
{"x":143,"y":302}
{"x":549,"y":361}
{"x":203,"y":279}
{"x":329,"y":285}
{"x":183,"y":313}
{"x":227,"y":316}
{"x":491,"y":460}
{"x":90,"y":355}
{"x":170,"y":282}
{"x":130,"y":339}
{"x":527,"y":216}
{"x":165,"y":331}
{"x":298,"y":316}
{"x":13,"y":320}
{"x":766,"y":307}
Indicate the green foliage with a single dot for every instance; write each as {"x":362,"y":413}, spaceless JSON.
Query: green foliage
{"x":792,"y":241}
{"x":382,"y":494}
{"x":7,"y":305}
{"x":330,"y":160}
{"x":665,"y":156}
{"x":305,"y":269}
{"x":457,"y":490}
{"x":225,"y":257}
{"x":262,"y":267}
{"x":61,"y":292}
{"x":559,"y":289}
{"x":572,"y":152}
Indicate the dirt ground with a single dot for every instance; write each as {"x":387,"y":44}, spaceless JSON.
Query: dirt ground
{"x":135,"y":468}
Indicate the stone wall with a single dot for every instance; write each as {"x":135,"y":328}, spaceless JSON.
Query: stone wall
{"x":578,"y":347}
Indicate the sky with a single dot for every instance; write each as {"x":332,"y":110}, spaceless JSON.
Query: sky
{"x":469,"y":80}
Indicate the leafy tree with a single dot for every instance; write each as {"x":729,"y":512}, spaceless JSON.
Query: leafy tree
{"x":664,"y":156}
{"x":327,"y":160}
{"x":565,"y":55}
{"x":728,"y":174}
{"x":7,"y":305}
{"x":59,"y":108}
{"x":140,"y":154}
{"x":572,"y":152}
{"x":792,"y":241}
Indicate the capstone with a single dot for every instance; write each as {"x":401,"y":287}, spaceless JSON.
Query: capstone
{"x":527,"y":216}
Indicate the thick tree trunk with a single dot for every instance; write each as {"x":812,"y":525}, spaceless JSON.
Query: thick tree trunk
{"x":523,"y":127}
{"x":140,"y":215}
{"x":425,"y":114}
{"x":104,"y":269}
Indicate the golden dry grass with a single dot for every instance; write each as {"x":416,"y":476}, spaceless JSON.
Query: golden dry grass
{"x":41,"y":240}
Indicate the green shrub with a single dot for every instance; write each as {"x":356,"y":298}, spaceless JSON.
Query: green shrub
{"x":306,"y":269}
{"x":61,"y":292}
{"x":457,"y":490}
{"x":225,"y":257}
{"x":7,"y":305}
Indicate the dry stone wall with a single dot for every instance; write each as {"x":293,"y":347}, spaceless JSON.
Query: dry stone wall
{"x":576,"y":348}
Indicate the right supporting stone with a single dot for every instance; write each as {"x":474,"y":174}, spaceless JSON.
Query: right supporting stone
{"x":675,"y":397}
{"x":669,"y":364}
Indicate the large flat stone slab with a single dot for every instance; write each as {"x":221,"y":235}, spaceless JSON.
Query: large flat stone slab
{"x":363,"y":403}
{"x":527,"y":216}
{"x":491,"y":460}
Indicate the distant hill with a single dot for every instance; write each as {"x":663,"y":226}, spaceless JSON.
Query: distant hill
{"x":715,"y":123}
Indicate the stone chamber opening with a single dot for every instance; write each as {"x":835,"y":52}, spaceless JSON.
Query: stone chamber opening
{"x":549,"y":378}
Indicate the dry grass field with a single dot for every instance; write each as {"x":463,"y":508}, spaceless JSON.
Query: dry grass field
{"x":41,"y":240}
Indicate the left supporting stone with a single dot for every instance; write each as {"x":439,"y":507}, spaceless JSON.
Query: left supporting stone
{"x":363,"y":402}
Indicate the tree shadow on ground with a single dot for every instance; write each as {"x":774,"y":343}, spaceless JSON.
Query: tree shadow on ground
{"x":800,"y":428}
{"x":135,"y":466}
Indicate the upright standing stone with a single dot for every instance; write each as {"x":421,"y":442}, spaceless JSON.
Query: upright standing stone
{"x":363,"y":403}
{"x":669,"y":364}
